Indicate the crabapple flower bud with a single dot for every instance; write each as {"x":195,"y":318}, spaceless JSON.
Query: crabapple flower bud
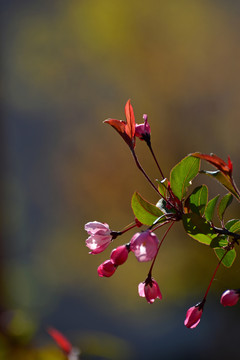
{"x":144,"y":245}
{"x":143,"y":131}
{"x":230,"y":297}
{"x":193,"y":315}
{"x":100,"y":236}
{"x":106,"y":269}
{"x":119,"y":255}
{"x":150,"y":290}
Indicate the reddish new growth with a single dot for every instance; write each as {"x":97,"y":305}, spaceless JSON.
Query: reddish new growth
{"x":125,"y":128}
{"x":172,"y":205}
{"x":69,"y":351}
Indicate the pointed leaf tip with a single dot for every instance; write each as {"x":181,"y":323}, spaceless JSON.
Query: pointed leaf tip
{"x":217,"y":162}
{"x":118,"y":125}
{"x":130,"y":118}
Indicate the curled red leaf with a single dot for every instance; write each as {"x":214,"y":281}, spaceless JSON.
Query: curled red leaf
{"x":125,"y":128}
{"x":61,"y":340}
{"x":220,"y":164}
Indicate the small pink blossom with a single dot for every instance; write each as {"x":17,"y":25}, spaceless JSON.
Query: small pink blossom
{"x":100,"y":236}
{"x":193,"y":315}
{"x":144,"y":245}
{"x":143,"y":131}
{"x":230,"y":297}
{"x":150,"y":290}
{"x":106,"y":269}
{"x":119,"y":255}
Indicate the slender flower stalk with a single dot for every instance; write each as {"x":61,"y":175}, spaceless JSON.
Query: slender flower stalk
{"x":166,"y":232}
{"x":155,"y":159}
{"x":129,"y":227}
{"x":214,"y":274}
{"x":147,"y":177}
{"x":143,"y":171}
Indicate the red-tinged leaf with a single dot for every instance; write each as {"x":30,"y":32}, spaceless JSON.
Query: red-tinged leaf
{"x":223,"y":179}
{"x":60,"y":339}
{"x":125,"y":128}
{"x":130,"y":126}
{"x":118,"y":125}
{"x":217,"y":162}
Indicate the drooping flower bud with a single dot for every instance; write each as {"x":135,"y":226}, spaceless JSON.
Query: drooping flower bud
{"x":144,"y":245}
{"x":143,"y":131}
{"x":230,"y":297}
{"x":150,"y":290}
{"x":193,"y":315}
{"x":119,"y":255}
{"x":100,"y":236}
{"x":106,"y":269}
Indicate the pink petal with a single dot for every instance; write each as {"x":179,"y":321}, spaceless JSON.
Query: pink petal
{"x":141,"y":291}
{"x":96,"y":227}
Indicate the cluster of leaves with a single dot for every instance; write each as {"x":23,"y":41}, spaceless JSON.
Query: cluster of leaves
{"x":196,"y":210}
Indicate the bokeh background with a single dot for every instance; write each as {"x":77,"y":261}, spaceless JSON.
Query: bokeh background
{"x":65,"y":67}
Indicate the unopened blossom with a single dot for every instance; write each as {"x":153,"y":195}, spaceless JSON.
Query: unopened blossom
{"x":193,"y":315}
{"x":100,"y":236}
{"x":119,"y":255}
{"x":106,"y":269}
{"x":144,"y":245}
{"x":230,"y":297}
{"x":150,"y":290}
{"x":143,"y":131}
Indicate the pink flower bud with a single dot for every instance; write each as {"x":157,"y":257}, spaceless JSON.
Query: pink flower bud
{"x":106,"y":269}
{"x":143,"y":131}
{"x":150,"y":290}
{"x":144,"y":245}
{"x":100,"y":236}
{"x":230,"y":297}
{"x":119,"y":255}
{"x":193,"y":315}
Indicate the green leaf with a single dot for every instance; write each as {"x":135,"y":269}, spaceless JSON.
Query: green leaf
{"x":219,"y":241}
{"x":198,"y":228}
{"x":224,"y":203}
{"x":162,"y":187}
{"x":198,"y":199}
{"x":228,"y":258}
{"x":182,"y":174}
{"x":233,"y":225}
{"x":222,"y":179}
{"x":209,"y":212}
{"x":144,"y":211}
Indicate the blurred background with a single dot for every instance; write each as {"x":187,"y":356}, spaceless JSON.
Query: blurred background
{"x":65,"y":67}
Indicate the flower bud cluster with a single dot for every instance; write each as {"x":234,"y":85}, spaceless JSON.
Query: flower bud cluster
{"x":143,"y":244}
{"x":118,"y":257}
{"x":194,"y":313}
